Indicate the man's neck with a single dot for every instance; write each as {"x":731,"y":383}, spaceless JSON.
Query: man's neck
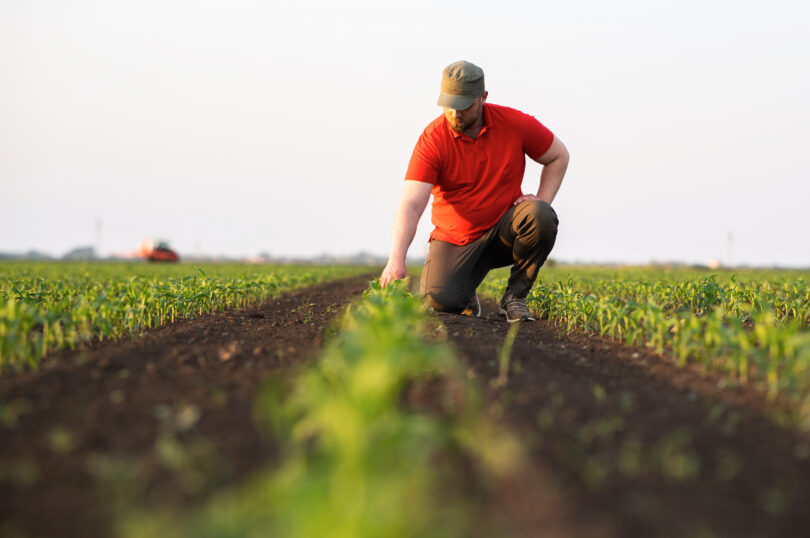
{"x":475,"y":130}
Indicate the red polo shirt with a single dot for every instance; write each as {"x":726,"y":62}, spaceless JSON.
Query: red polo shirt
{"x":476,"y":181}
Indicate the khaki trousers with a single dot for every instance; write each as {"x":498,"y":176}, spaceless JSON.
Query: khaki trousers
{"x":523,"y":238}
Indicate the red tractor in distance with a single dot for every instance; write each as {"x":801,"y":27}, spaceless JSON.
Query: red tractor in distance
{"x":158,"y":251}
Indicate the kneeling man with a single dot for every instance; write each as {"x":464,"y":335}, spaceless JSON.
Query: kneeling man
{"x":472,"y":159}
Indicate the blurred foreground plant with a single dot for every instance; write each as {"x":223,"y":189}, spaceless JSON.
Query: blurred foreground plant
{"x":361,"y":456}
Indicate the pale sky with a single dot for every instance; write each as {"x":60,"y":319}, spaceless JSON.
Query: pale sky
{"x":240,"y":127}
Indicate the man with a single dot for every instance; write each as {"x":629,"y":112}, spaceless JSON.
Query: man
{"x":472,"y":159}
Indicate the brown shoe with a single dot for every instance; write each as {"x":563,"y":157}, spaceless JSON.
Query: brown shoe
{"x":514,"y":308}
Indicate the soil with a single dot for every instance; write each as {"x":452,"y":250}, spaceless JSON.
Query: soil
{"x":164,"y":418}
{"x":697,"y":456}
{"x":167,"y":418}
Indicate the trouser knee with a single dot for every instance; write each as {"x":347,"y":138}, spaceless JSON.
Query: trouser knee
{"x":446,"y":300}
{"x":536,"y":222}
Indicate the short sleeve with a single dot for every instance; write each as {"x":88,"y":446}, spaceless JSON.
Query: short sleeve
{"x":537,"y":138}
{"x":424,"y":164}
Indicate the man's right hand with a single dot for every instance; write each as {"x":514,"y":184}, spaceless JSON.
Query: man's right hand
{"x":393,"y":271}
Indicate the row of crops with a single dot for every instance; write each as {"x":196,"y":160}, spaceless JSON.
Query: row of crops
{"x":362,"y":453}
{"x":750,"y":326}
{"x":45,"y":307}
{"x":367,"y":447}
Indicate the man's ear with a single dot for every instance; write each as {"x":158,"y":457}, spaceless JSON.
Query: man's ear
{"x":484,"y":97}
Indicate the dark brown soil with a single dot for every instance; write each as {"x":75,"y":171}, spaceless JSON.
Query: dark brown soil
{"x":625,"y":443}
{"x":619,"y":441}
{"x":163,"y":418}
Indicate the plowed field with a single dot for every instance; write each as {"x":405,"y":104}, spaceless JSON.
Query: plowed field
{"x":621,"y":442}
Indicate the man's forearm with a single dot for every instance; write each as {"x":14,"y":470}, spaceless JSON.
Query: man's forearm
{"x":551,"y":179}
{"x":405,"y":223}
{"x":415,"y":196}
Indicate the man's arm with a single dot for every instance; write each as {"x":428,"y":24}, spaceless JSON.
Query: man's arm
{"x":415,"y":196}
{"x":555,"y":163}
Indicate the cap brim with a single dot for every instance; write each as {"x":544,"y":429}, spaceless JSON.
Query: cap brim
{"x":456,"y":102}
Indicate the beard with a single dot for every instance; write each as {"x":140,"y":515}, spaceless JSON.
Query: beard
{"x":460,"y":126}
{"x":457,"y":125}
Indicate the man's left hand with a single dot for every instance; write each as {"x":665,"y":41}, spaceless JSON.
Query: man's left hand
{"x":526,"y":197}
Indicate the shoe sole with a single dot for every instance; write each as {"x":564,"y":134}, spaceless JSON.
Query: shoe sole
{"x":503,"y":313}
{"x":470,"y":313}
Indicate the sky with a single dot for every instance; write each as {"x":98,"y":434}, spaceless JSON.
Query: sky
{"x":242,"y":127}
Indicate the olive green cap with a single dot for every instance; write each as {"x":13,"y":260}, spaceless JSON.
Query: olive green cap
{"x":462,"y":82}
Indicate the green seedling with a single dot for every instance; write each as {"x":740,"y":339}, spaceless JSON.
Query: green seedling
{"x":599,"y":393}
{"x":61,"y":440}
{"x":505,"y":354}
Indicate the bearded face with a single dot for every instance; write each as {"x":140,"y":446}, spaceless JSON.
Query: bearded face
{"x":461,"y":120}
